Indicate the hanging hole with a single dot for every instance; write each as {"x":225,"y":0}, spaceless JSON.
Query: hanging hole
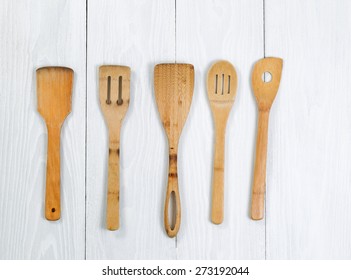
{"x":108,"y":100}
{"x":120,"y":100}
{"x":266,"y":77}
{"x":53,"y":210}
{"x":228,"y":84}
{"x":216,"y":83}
{"x":172,"y":210}
{"x":222,"y":84}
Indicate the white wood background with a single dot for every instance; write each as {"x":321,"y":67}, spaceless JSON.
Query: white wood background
{"x":308,"y":213}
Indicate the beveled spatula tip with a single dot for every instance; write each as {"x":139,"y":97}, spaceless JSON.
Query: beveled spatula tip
{"x":103,"y":67}
{"x":266,"y":90}
{"x":54,"y":67}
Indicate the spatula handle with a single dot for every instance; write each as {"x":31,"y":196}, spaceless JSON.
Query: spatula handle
{"x":218,"y":174}
{"x":172,"y":189}
{"x":259,"y":182}
{"x":112,"y":215}
{"x":52,"y":196}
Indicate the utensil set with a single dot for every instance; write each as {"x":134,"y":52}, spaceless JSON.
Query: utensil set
{"x":174,"y":86}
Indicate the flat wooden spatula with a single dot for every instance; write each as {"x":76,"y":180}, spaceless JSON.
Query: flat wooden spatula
{"x":54,"y":93}
{"x":174,"y":86}
{"x":265,"y":91}
{"x":114,"y":102}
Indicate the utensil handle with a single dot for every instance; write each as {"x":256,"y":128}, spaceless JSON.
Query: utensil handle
{"x":259,"y":182}
{"x":52,"y":195}
{"x":172,"y":188}
{"x":112,"y":214}
{"x":217,"y":212}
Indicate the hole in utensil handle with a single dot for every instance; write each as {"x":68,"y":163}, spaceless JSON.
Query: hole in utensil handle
{"x":172,"y":210}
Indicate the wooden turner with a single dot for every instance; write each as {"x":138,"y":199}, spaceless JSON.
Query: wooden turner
{"x":265,"y":93}
{"x":174,"y":85}
{"x":114,"y":102}
{"x":54,"y":91}
{"x":221,"y":90}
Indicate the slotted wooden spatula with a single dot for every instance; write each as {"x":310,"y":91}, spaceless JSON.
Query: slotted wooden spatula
{"x":174,"y":85}
{"x":54,"y":92}
{"x":114,"y":102}
{"x":221,"y":90}
{"x":265,"y":92}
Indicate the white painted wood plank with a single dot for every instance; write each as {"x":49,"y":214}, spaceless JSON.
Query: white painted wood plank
{"x":138,"y":34}
{"x":309,"y":163}
{"x":208,"y":31}
{"x":35,"y":34}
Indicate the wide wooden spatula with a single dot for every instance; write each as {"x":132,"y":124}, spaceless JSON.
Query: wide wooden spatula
{"x":221,"y":90}
{"x":174,"y":85}
{"x":54,"y":92}
{"x":265,"y":91}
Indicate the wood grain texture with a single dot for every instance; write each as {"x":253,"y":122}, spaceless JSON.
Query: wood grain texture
{"x":35,"y":34}
{"x":54,"y":93}
{"x":174,"y":87}
{"x":221,"y":84}
{"x":208,"y":31}
{"x":265,"y":91}
{"x":308,"y":168}
{"x":114,"y":92}
{"x":139,"y":34}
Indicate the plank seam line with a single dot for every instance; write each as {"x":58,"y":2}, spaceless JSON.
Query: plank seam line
{"x":86,"y":128}
{"x":175,"y":31}
{"x":175,"y":61}
{"x":265,"y":197}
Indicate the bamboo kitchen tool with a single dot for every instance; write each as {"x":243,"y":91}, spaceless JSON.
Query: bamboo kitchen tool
{"x":221,"y":90}
{"x":265,"y":92}
{"x":114,"y":101}
{"x":174,"y":85}
{"x":54,"y":93}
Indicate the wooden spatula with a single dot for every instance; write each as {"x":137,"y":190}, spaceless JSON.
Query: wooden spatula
{"x":114,"y":102}
{"x":221,"y":90}
{"x":265,"y":92}
{"x":54,"y":92}
{"x":174,"y":85}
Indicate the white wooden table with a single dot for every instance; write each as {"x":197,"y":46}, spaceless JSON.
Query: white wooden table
{"x":308,"y":203}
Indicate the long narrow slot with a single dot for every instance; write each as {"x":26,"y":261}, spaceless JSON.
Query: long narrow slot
{"x":108,"y":100}
{"x":216,"y":83}
{"x":228,"y":84}
{"x":222,"y":84}
{"x":120,"y":100}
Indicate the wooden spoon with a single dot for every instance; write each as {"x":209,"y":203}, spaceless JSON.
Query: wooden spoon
{"x":221,"y":90}
{"x":54,"y":91}
{"x":114,"y":102}
{"x":174,"y":85}
{"x":265,"y":93}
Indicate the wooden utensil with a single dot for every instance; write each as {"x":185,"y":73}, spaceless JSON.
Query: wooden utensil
{"x":54,"y":92}
{"x":221,"y":90}
{"x":174,"y":85}
{"x":265,"y":93}
{"x":114,"y":101}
